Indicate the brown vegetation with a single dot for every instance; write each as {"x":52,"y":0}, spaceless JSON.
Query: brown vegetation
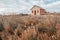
{"x":44,"y":27}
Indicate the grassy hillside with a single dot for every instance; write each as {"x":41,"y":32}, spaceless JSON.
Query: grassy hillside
{"x":44,"y":27}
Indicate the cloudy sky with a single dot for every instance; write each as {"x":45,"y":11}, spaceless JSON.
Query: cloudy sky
{"x":23,"y":6}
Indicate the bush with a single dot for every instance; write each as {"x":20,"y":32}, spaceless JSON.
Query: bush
{"x":31,"y":38}
{"x":19,"y":33}
{"x":24,"y":28}
{"x":1,"y":27}
{"x":0,"y":38}
{"x":42,"y":29}
{"x":12,"y":28}
{"x":51,"y":31}
{"x":11,"y":32}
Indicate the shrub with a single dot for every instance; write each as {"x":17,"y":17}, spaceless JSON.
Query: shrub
{"x":31,"y":38}
{"x":1,"y":27}
{"x":51,"y":31}
{"x":23,"y":27}
{"x":19,"y":33}
{"x":42,"y":29}
{"x":12,"y":28}
{"x":0,"y":38}
{"x":11,"y":32}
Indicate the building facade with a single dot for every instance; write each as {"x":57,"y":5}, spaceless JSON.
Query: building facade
{"x":36,"y":10}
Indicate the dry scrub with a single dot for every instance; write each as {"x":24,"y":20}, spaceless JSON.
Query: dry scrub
{"x":44,"y":27}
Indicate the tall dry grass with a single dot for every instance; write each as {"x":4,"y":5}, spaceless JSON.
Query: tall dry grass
{"x":43,"y":27}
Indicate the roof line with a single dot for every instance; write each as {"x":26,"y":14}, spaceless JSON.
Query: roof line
{"x":36,"y":6}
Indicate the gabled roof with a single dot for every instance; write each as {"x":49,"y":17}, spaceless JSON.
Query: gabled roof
{"x":36,"y":6}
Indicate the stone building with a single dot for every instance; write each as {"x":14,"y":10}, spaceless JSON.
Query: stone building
{"x":36,"y":10}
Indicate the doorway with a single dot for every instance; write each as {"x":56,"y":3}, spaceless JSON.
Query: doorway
{"x":35,"y":12}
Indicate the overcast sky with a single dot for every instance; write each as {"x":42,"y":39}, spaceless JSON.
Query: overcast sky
{"x":25,"y":5}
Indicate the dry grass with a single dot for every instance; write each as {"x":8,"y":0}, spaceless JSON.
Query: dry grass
{"x":44,"y":27}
